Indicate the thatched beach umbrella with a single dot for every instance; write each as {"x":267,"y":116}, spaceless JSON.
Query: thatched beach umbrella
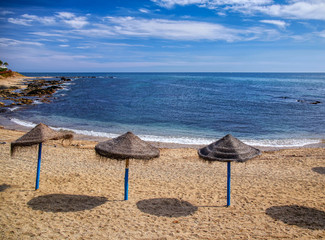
{"x":38,"y":135}
{"x":228,"y":149}
{"x":125,"y":147}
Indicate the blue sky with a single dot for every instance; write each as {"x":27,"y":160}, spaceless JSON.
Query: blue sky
{"x":163,"y":35}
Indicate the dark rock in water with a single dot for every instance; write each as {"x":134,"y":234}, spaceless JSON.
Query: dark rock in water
{"x":37,"y":84}
{"x":27,"y":101}
{"x":284,"y":97}
{"x":53,"y":89}
{"x":36,"y":92}
{"x":45,"y":100}
{"x":65,"y":79}
{"x":316,"y":102}
{"x":49,"y":90}
{"x":46,"y":91}
{"x":2,"y":87}
{"x":37,"y":87}
{"x":21,"y":101}
{"x":304,"y":101}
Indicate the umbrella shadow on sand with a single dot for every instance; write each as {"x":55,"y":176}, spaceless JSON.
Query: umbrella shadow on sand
{"x":166,"y":207}
{"x":320,"y":170}
{"x":300,"y":216}
{"x":3,"y":187}
{"x":65,"y":202}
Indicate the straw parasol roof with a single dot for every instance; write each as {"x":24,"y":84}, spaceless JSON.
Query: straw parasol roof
{"x":228,"y":149}
{"x":39,"y":134}
{"x":127,"y":146}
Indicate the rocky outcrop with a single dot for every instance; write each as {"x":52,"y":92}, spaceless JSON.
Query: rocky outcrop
{"x":40,"y":88}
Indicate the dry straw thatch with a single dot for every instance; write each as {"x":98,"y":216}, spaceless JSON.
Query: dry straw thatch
{"x":228,"y":149}
{"x":39,"y":134}
{"x":127,"y":146}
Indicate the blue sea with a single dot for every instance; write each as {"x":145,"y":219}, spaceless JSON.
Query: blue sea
{"x":262,"y":109}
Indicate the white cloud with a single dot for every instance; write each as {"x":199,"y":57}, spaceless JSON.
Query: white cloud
{"x":6,"y":12}
{"x":5,"y":42}
{"x":27,"y":20}
{"x":211,"y":3}
{"x":184,"y":30}
{"x":20,"y":21}
{"x":72,"y":20}
{"x":279,"y":23}
{"x":99,"y":31}
{"x":64,"y":45}
{"x":143,"y":10}
{"x":83,"y":47}
{"x":46,"y":34}
{"x":66,"y":15}
{"x":124,"y":45}
{"x":297,"y":9}
{"x":44,"y":20}
{"x":172,"y":3}
{"x":168,"y":29}
{"x":322,"y":34}
{"x":77,"y":22}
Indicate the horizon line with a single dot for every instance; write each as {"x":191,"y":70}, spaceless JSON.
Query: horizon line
{"x":171,"y":72}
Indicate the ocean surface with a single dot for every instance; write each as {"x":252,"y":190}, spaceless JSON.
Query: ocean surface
{"x":262,"y":109}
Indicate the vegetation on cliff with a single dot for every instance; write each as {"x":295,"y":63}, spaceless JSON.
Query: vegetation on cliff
{"x":7,"y":73}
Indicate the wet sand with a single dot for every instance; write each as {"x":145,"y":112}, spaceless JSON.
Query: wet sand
{"x":278,"y":195}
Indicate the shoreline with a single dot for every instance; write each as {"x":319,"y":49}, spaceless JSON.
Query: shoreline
{"x":23,"y":81}
{"x":11,"y":126}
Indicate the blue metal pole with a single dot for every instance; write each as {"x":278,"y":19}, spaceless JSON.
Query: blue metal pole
{"x":38,"y":166}
{"x":126,"y":180}
{"x":228,"y":183}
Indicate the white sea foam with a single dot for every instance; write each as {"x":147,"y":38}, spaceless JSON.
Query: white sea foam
{"x":88,"y":133}
{"x":184,"y":140}
{"x":23,"y":123}
{"x":282,"y":142}
{"x":179,"y":140}
{"x":13,"y":109}
{"x":37,"y":102}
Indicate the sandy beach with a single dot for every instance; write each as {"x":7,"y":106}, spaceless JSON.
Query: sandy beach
{"x":15,"y":81}
{"x":278,"y":195}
